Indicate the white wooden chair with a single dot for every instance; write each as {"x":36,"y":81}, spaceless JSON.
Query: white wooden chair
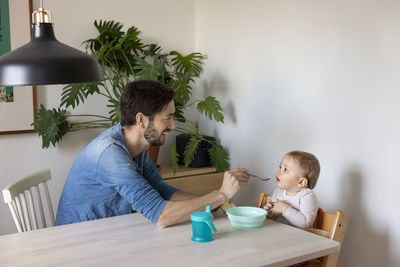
{"x":17,"y":194}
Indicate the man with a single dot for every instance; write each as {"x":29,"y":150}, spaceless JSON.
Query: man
{"x":114,"y":174}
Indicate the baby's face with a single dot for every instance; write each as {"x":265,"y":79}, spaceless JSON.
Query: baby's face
{"x":288,"y":175}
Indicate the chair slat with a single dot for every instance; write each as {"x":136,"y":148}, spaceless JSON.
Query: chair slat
{"x":21,"y":215}
{"x":15,"y":216}
{"x":341,"y":226}
{"x":14,"y":206}
{"x":25,"y":212}
{"x":32,"y":209}
{"x":46,"y":189}
{"x":40,"y":206}
{"x":262,"y":200}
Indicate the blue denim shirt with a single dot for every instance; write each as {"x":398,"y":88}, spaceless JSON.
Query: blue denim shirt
{"x":106,"y":181}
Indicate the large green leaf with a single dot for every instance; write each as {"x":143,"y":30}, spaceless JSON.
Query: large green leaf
{"x":51,"y":125}
{"x":219,"y":158}
{"x":109,"y":32}
{"x":102,"y":46}
{"x":179,"y":113}
{"x":192,"y":63}
{"x":114,"y":48}
{"x":152,"y":50}
{"x":190,"y":149}
{"x":124,"y":53}
{"x":155,"y":71}
{"x":117,"y":86}
{"x":73,"y":94}
{"x":174,"y":158}
{"x":181,"y":85}
{"x":104,"y":55}
{"x":131,"y":42}
{"x":211,"y":108}
{"x":115,"y":114}
{"x":145,"y":70}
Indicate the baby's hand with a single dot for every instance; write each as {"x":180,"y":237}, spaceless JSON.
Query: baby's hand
{"x":279,"y":207}
{"x":269,"y":205}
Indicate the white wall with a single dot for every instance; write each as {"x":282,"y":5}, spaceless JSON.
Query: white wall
{"x":169,"y":23}
{"x":319,"y":76}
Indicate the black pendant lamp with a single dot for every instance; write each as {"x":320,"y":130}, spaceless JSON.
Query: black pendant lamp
{"x":44,"y":60}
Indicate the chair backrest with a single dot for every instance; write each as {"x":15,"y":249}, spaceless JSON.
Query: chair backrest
{"x":329,"y":225}
{"x":332,"y":226}
{"x":262,"y":199}
{"x":16,"y":196}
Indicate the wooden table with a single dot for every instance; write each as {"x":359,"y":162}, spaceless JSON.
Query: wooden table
{"x":132,"y":240}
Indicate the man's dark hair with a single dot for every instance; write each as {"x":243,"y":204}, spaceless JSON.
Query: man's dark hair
{"x":148,"y":97}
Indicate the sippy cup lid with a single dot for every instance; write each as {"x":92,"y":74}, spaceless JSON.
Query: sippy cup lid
{"x":202,"y":216}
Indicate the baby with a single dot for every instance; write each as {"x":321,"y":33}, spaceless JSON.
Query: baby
{"x":293,"y":202}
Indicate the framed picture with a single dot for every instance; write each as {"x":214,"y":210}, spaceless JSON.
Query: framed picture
{"x":18,"y":103}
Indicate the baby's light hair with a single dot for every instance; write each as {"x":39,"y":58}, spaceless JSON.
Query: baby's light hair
{"x":309,"y":164}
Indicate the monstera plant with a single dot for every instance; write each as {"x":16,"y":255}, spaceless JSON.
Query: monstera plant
{"x":124,"y":57}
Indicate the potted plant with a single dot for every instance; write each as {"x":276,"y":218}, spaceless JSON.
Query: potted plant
{"x":124,"y":57}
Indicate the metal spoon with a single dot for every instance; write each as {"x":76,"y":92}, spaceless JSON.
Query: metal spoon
{"x":258,"y":177}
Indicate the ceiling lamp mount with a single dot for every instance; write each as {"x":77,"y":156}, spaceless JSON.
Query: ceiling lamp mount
{"x":44,"y":60}
{"x":41,"y":16}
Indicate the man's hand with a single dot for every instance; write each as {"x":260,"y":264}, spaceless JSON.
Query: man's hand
{"x":233,"y":180}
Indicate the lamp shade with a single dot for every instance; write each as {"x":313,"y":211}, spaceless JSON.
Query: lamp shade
{"x":44,"y":60}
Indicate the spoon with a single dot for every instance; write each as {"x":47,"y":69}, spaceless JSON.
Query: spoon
{"x":258,"y":177}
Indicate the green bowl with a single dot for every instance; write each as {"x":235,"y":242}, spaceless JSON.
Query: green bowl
{"x":246,"y":217}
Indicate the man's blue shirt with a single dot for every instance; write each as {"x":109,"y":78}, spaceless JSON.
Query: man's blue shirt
{"x":106,"y":181}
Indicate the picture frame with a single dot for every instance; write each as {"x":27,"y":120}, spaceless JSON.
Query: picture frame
{"x":18,"y":103}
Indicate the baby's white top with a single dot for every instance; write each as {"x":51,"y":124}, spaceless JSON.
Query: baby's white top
{"x":303,"y":207}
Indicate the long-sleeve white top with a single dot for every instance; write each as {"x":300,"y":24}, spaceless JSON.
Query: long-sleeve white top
{"x":303,"y":207}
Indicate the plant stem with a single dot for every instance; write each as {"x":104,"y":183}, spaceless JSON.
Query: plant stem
{"x":106,"y":78}
{"x":188,"y":126}
{"x":184,"y":131}
{"x":88,"y":115}
{"x":206,"y":140}
{"x":93,"y":127}
{"x":90,"y":122}
{"x":198,"y":135}
{"x":127,"y":61}
{"x":90,"y":127}
{"x":191,"y":104}
{"x":103,"y":94}
{"x":191,"y":123}
{"x":116,"y":72}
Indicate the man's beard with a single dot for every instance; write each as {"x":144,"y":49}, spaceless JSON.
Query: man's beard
{"x":151,"y":135}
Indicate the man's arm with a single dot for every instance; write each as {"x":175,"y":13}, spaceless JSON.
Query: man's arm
{"x":177,"y":211}
{"x":182,"y":195}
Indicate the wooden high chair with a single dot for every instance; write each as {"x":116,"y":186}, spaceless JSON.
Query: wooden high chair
{"x":329,"y":225}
